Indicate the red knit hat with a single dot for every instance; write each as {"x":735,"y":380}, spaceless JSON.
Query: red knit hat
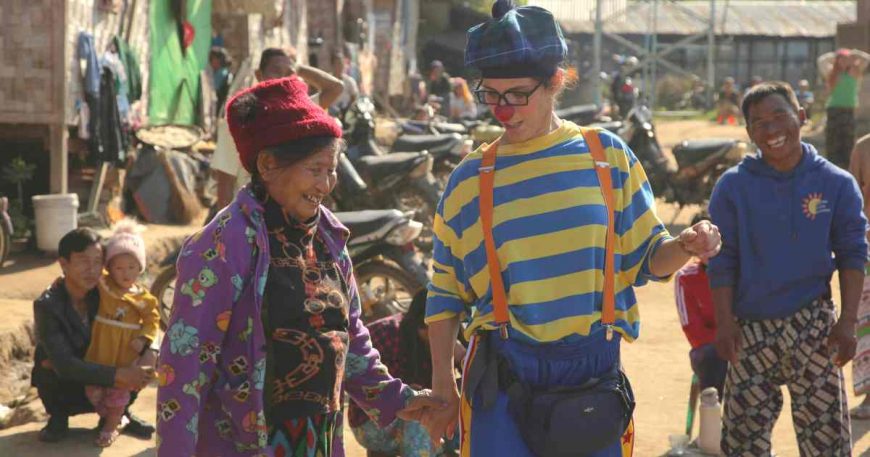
{"x":280,"y":113}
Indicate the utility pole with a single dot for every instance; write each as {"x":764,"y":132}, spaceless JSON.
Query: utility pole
{"x":711,"y":51}
{"x":596,"y":53}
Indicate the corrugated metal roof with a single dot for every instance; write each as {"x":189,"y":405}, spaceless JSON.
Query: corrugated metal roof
{"x":760,"y":18}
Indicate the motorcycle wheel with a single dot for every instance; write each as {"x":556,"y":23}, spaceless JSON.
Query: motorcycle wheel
{"x":163,"y":288}
{"x":384,"y":290}
{"x":5,"y":244}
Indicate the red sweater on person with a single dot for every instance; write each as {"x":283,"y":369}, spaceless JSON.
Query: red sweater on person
{"x":695,"y":304}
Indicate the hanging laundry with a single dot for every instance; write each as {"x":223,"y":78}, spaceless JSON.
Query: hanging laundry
{"x":131,"y":67}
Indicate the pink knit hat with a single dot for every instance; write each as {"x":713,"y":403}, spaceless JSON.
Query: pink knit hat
{"x":126,"y":240}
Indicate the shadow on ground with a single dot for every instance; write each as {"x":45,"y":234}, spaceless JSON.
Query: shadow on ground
{"x":78,"y":443}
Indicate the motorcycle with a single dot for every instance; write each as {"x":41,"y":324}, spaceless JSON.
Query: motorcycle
{"x":580,"y":114}
{"x":623,"y":92}
{"x":401,"y":180}
{"x":386,"y":264}
{"x":446,"y":149}
{"x":5,"y":230}
{"x":700,"y":163}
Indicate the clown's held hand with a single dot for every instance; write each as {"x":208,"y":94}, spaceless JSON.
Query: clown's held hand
{"x":701,"y":240}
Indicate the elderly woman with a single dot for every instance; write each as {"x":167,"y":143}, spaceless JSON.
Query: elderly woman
{"x":266,"y":325}
{"x":536,"y":209}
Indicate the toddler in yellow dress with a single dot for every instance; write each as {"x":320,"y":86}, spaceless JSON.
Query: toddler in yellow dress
{"x":125,"y":326}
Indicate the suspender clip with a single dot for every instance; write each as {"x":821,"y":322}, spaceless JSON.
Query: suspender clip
{"x":503,"y":330}
{"x":609,"y":331}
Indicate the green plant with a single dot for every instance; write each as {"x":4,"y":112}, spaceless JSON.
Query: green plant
{"x":20,"y":222}
{"x":18,"y":172}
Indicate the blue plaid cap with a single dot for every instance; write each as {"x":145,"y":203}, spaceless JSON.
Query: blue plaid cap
{"x":525,"y":42}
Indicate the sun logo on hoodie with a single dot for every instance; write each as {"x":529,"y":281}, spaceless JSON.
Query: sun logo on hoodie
{"x":815,"y":204}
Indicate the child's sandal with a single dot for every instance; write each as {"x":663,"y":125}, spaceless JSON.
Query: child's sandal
{"x":105,"y":439}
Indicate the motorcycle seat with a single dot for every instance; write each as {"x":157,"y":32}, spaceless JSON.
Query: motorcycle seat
{"x":377,"y":166}
{"x":450,"y":127}
{"x":581,"y":114}
{"x":435,"y":144}
{"x":612,"y":126}
{"x":370,"y":222}
{"x":690,"y":152}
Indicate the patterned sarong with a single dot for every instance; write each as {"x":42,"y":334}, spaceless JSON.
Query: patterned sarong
{"x":791,"y":352}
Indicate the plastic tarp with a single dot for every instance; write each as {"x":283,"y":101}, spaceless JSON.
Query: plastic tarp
{"x":174,"y":93}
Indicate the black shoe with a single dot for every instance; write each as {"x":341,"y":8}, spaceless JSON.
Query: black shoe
{"x":55,"y":430}
{"x":138,"y":428}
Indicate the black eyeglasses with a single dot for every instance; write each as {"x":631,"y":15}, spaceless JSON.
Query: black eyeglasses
{"x":512,"y":97}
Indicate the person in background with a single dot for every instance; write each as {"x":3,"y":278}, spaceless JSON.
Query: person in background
{"x":438,"y":85}
{"x":219,"y":62}
{"x":859,"y":166}
{"x":753,"y":81}
{"x":728,"y":102}
{"x":842,"y":71}
{"x":805,"y":97}
{"x":789,"y":218}
{"x":462,"y":104}
{"x":402,"y":340}
{"x":351,"y":89}
{"x":698,"y":319}
{"x":125,"y":327}
{"x":275,"y":63}
{"x":64,"y":317}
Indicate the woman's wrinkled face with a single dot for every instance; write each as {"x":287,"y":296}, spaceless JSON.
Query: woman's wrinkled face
{"x":522,"y":122}
{"x":301,"y":187}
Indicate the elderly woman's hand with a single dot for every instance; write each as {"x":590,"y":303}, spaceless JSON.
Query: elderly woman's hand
{"x":418,"y":407}
{"x":701,"y":240}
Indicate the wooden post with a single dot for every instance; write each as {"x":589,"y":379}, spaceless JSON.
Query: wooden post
{"x":58,"y":137}
{"x":58,"y":134}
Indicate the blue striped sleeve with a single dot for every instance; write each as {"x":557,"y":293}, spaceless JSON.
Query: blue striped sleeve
{"x":638,"y":226}
{"x":448,"y":295}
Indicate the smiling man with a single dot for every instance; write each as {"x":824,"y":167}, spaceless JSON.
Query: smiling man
{"x":788,"y":219}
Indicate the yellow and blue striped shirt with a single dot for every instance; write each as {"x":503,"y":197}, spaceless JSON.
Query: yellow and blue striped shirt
{"x":549,"y":227}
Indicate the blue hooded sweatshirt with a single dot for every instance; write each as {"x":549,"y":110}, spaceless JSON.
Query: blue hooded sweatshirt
{"x":779,"y":231}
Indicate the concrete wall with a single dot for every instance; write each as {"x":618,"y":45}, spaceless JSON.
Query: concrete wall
{"x":324,"y":22}
{"x":247,"y":34}
{"x":31,"y":61}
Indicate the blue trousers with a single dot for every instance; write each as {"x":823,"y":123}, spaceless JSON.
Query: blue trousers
{"x":493,"y":432}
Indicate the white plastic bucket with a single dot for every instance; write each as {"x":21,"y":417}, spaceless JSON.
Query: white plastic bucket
{"x":55,"y":216}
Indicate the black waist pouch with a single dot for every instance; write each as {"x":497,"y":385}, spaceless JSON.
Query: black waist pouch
{"x":570,"y":421}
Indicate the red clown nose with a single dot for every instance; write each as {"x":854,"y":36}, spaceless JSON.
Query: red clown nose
{"x":504,"y":113}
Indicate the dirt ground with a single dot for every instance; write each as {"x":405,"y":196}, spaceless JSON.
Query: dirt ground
{"x":657,"y":364}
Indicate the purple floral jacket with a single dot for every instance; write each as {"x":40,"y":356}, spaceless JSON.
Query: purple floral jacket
{"x":212,"y":362}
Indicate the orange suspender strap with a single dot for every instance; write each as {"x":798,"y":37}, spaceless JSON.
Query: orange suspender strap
{"x":602,"y":168}
{"x":487,"y":179}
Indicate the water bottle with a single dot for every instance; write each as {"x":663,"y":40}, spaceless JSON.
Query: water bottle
{"x":710,"y":433}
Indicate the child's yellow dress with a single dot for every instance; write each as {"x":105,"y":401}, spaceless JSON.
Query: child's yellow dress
{"x":122,"y":317}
